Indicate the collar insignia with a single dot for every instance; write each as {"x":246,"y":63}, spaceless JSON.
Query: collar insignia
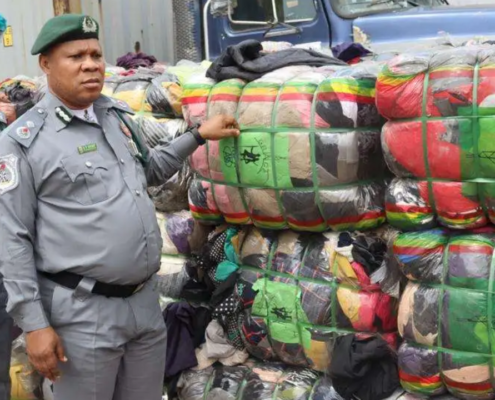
{"x":63,"y":114}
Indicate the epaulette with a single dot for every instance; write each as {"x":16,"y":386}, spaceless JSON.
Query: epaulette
{"x":121,"y":105}
{"x":25,"y":129}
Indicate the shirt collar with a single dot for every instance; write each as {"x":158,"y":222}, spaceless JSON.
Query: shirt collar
{"x":81,"y":114}
{"x":64,"y":116}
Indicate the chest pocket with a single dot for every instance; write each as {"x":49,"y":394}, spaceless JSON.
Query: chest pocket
{"x":88,"y":174}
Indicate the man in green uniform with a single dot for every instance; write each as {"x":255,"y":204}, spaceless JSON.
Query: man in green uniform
{"x":80,"y":242}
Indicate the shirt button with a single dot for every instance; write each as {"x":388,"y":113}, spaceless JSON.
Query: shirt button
{"x":88,"y":164}
{"x":122,"y":160}
{"x":138,"y":192}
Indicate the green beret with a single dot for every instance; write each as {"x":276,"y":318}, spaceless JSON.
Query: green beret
{"x":65,"y":28}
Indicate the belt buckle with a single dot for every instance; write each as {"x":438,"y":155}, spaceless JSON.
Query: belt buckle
{"x":139,"y":287}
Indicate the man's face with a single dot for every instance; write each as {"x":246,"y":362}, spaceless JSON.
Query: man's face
{"x":75,"y":72}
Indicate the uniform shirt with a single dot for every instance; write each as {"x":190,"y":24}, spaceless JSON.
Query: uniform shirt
{"x":73,"y":198}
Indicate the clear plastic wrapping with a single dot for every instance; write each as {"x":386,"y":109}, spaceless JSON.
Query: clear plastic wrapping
{"x":182,"y":236}
{"x":26,"y":381}
{"x":297,"y":292}
{"x":309,"y":157}
{"x":17,"y":95}
{"x":155,"y":98}
{"x":254,"y":382}
{"x":446,"y":312}
{"x":439,"y":138}
{"x":267,"y":381}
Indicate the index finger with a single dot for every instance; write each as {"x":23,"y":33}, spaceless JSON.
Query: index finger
{"x":230,"y":121}
{"x":51,"y":363}
{"x":41,"y":365}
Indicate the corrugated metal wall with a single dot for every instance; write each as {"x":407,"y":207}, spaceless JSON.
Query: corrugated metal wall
{"x":123,"y":22}
{"x":26,"y":21}
{"x":126,"y":22}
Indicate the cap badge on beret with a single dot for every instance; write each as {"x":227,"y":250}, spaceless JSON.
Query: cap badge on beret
{"x":89,"y":25}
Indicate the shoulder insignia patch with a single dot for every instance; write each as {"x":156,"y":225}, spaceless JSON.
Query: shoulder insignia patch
{"x":23,"y":132}
{"x":9,"y":173}
{"x":25,"y":129}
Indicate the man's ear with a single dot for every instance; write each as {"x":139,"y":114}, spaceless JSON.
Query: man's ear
{"x":44,"y":62}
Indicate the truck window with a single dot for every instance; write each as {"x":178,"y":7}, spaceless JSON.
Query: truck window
{"x":262,"y":11}
{"x":358,"y":8}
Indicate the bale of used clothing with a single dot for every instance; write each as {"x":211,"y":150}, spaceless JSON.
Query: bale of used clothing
{"x":255,"y":381}
{"x":294,"y":293}
{"x":17,"y":95}
{"x":171,"y":197}
{"x":156,"y":100}
{"x":446,"y":312}
{"x":8,"y":111}
{"x":155,"y":97}
{"x":151,"y":92}
{"x":159,"y":129}
{"x":416,"y":204}
{"x":441,"y":108}
{"x":309,"y":156}
{"x":182,"y":236}
{"x":3,"y":121}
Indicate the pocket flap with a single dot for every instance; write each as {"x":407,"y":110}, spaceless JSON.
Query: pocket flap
{"x":76,"y":165}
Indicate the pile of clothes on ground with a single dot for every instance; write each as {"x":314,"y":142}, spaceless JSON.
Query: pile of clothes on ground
{"x":309,"y":156}
{"x":446,"y":312}
{"x":439,"y":138}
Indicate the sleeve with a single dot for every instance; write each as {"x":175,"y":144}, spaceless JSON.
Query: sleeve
{"x":167,"y":158}
{"x":164,"y":160}
{"x":18,"y":208}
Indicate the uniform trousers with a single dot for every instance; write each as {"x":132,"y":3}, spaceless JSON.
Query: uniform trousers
{"x":115,"y":347}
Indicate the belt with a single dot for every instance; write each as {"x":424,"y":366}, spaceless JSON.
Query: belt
{"x":71,"y":281}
